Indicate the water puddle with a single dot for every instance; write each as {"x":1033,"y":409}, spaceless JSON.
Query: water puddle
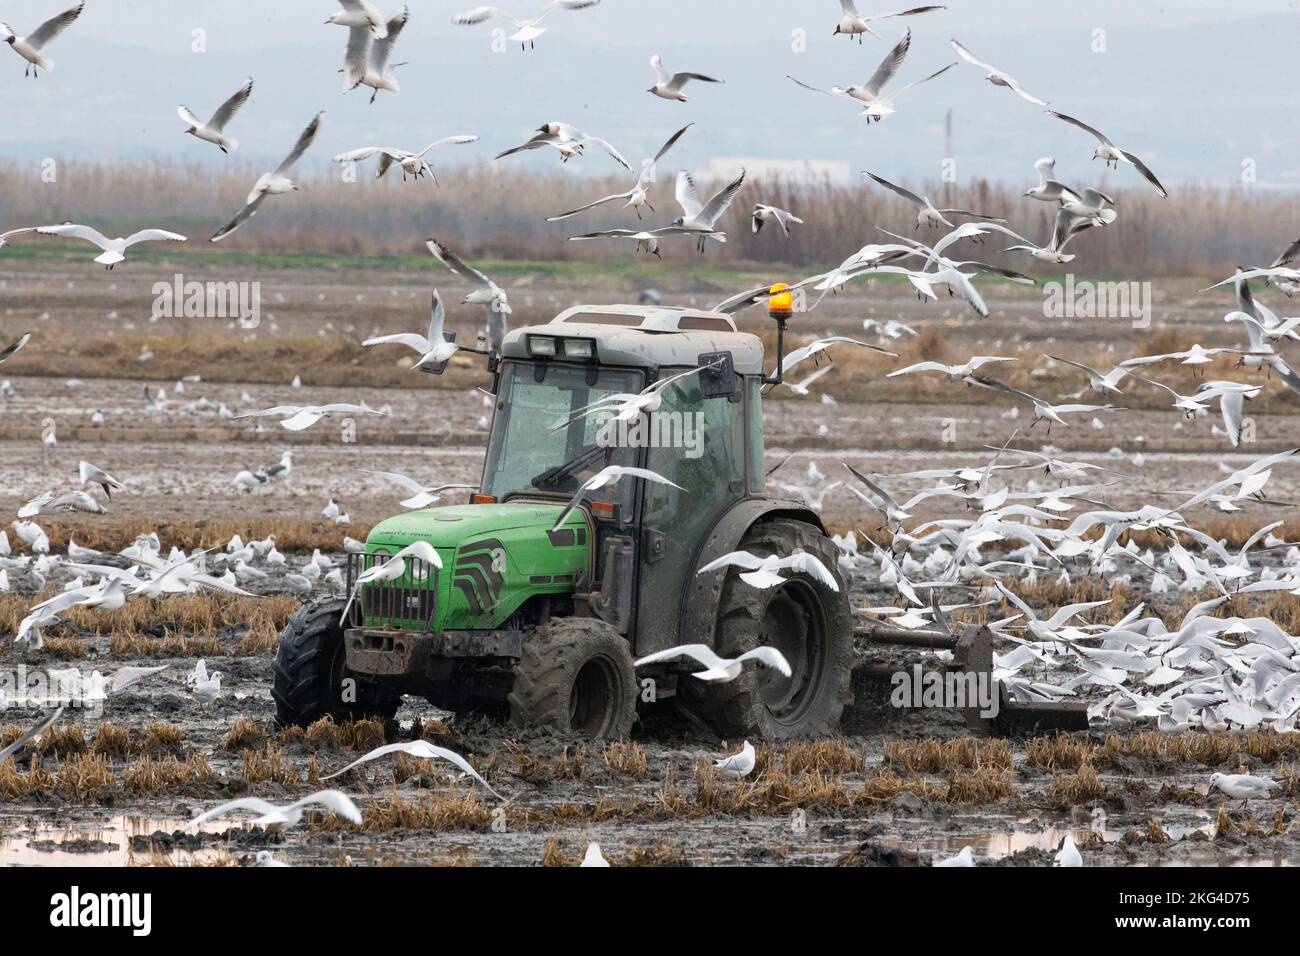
{"x":102,"y":843}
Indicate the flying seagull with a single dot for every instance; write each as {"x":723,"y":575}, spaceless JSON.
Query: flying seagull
{"x":29,"y":47}
{"x":853,"y":23}
{"x":422,"y":496}
{"x":607,"y":477}
{"x":485,"y":292}
{"x":669,"y":86}
{"x":996,"y":76}
{"x":719,"y":669}
{"x":526,"y":31}
{"x":567,"y":139}
{"x":763,"y":571}
{"x":274,"y":183}
{"x":1112,"y":154}
{"x":15,"y":346}
{"x":929,"y":215}
{"x":1048,"y":188}
{"x":272,"y":815}
{"x":114,"y":249}
{"x":412,"y":164}
{"x":213,"y":131}
{"x":764,"y":213}
{"x":638,"y":195}
{"x":366,"y":60}
{"x":422,"y":750}
{"x":297,"y":417}
{"x":433,"y":347}
{"x":876,"y":105}
{"x":360,"y":13}
{"x":702,"y":218}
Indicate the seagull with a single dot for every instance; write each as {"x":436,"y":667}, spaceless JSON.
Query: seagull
{"x":392,"y":569}
{"x":114,"y":249}
{"x":1048,"y":188}
{"x":31,"y":733}
{"x":366,"y":60}
{"x":593,"y":856}
{"x":719,"y":669}
{"x":1243,"y":786}
{"x":434,"y":348}
{"x":49,"y":503}
{"x":739,"y":764}
{"x":853,"y":23}
{"x":18,"y":343}
{"x":359,"y":13}
{"x":668,"y":86}
{"x":876,"y":106}
{"x":207,"y":689}
{"x":1112,"y":154}
{"x":965,"y":858}
{"x":638,"y":195}
{"x":608,"y":477}
{"x":485,"y":292}
{"x":422,"y":750}
{"x":423,"y":496}
{"x":272,"y":815}
{"x":412,"y":164}
{"x":297,"y":417}
{"x":647,"y":240}
{"x":703,"y":218}
{"x":91,"y":475}
{"x":527,"y":31}
{"x":764,"y":213}
{"x":929,"y":215}
{"x":762,"y":572}
{"x":29,"y":47}
{"x":955,"y":373}
{"x":275,"y":183}
{"x":996,"y":76}
{"x":1067,"y":226}
{"x":1043,"y":411}
{"x":213,"y":131}
{"x":1096,"y":380}
{"x":817,"y":346}
{"x":1069,"y":854}
{"x":568,"y":139}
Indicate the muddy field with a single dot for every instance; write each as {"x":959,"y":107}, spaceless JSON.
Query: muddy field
{"x":900,"y":787}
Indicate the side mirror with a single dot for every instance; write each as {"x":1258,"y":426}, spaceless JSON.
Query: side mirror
{"x":719,"y":380}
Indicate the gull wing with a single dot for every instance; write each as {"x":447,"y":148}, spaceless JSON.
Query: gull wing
{"x":154,"y":235}
{"x":381,"y":51}
{"x":409,"y":339}
{"x":52,"y":27}
{"x":31,"y":733}
{"x":300,"y":147}
{"x":686,"y":195}
{"x":701,"y":653}
{"x":898,"y":190}
{"x":356,"y":56}
{"x":229,"y":108}
{"x":889,"y":65}
{"x":75,"y":232}
{"x":437,"y":318}
{"x":969,"y":57}
{"x":1083,"y":126}
{"x":241,"y":217}
{"x":590,"y":205}
{"x":456,"y":264}
{"x":1146,"y":172}
{"x":717,"y":205}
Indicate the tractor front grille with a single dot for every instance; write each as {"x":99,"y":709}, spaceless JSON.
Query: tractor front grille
{"x":409,"y":600}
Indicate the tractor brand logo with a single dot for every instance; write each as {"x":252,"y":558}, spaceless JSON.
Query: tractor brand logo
{"x":479,"y":574}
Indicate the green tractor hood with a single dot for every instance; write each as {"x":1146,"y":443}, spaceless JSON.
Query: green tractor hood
{"x":494,"y":558}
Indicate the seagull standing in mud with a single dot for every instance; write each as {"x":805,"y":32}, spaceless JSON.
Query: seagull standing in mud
{"x":738,"y":764}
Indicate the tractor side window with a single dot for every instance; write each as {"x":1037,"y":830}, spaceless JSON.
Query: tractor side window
{"x":757,"y":464}
{"x":701,"y":447}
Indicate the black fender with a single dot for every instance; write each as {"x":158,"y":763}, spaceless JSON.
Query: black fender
{"x":699,"y":617}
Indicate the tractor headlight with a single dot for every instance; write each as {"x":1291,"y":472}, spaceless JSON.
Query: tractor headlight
{"x":541,"y":345}
{"x":579,"y":348}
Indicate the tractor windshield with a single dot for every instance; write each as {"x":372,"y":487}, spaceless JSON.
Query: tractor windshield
{"x":532,"y":449}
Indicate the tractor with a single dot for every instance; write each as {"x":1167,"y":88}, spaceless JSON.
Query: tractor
{"x":543,"y":622}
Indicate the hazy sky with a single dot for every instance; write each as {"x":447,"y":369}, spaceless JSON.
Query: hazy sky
{"x":1196,"y":87}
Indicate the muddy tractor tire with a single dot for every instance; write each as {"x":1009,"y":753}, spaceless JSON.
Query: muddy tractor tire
{"x":808,"y":622}
{"x":311,"y":668}
{"x":575,"y":677}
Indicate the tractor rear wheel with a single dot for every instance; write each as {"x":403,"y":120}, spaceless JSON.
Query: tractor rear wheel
{"x":311,"y":677}
{"x":575,"y":677}
{"x":805,"y":620}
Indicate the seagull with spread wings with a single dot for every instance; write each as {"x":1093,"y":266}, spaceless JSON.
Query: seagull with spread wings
{"x":526,"y":31}
{"x":114,"y":250}
{"x":1112,"y":154}
{"x":996,"y":76}
{"x":638,"y":195}
{"x":702,"y":218}
{"x":853,"y":23}
{"x":433,"y":347}
{"x":275,"y":183}
{"x":30,"y":47}
{"x":213,"y":131}
{"x":875,"y":104}
{"x":412,"y":164}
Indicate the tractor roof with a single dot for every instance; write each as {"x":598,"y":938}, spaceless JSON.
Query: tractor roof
{"x":647,"y":336}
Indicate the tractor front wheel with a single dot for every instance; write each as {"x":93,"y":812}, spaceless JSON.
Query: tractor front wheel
{"x":575,"y":677}
{"x":311,"y":677}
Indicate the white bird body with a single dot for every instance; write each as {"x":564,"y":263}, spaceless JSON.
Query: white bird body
{"x":30,"y":47}
{"x":360,"y":13}
{"x":368,"y":58}
{"x":213,"y":131}
{"x":764,"y":213}
{"x":738,"y":764}
{"x":1069,"y":854}
{"x":433,"y":347}
{"x":852,"y":23}
{"x":1243,"y":786}
{"x":669,"y":86}
{"x":965,"y":858}
{"x":719,"y":669}
{"x":593,"y":856}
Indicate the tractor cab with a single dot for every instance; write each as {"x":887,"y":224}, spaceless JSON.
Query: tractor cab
{"x":543,"y":607}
